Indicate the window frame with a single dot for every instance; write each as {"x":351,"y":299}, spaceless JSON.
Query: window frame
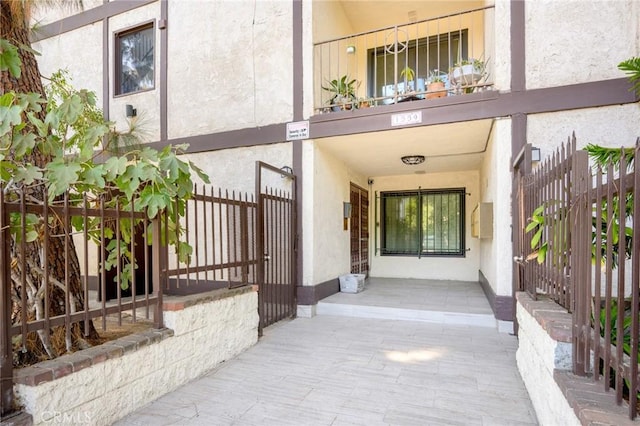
{"x":423,"y":251}
{"x":374,"y":52}
{"x":117,"y":62}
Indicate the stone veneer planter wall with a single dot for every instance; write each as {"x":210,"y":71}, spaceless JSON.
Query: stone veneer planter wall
{"x":102,"y":384}
{"x":544,"y":358}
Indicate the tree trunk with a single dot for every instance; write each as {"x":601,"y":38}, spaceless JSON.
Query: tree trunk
{"x":14,"y":29}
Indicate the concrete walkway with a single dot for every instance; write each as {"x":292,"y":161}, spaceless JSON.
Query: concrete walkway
{"x":330,"y":370}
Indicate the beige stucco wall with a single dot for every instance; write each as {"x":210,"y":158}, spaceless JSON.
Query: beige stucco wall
{"x":84,"y":65}
{"x":445,"y":268}
{"x":570,"y":42}
{"x":495,"y":187}
{"x":329,"y":20}
{"x":234,"y":169}
{"x":43,"y":14}
{"x":239,"y":72}
{"x":612,"y":126}
{"x":499,"y":44}
{"x":326,"y":243}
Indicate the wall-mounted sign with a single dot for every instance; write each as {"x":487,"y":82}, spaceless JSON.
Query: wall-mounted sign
{"x":405,"y":118}
{"x":297,"y":130}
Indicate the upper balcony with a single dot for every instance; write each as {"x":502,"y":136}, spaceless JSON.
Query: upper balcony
{"x":447,"y":54}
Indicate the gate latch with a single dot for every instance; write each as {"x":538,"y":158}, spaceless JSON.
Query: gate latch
{"x":267,"y":257}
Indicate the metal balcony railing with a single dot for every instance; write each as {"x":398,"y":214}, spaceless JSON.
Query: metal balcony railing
{"x":444,"y":56}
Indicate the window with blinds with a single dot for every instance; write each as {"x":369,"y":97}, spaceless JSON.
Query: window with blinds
{"x":423,"y":222}
{"x":134,"y":61}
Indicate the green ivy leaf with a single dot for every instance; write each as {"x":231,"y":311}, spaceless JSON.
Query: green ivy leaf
{"x":10,"y":59}
{"x":28,"y":174}
{"x":201,"y":174}
{"x":71,"y":109}
{"x":115,"y":166}
{"x":61,"y":175}
{"x":9,"y":116}
{"x":184,"y":252}
{"x":542,"y":253}
{"x":23,"y":144}
{"x":94,"y":176}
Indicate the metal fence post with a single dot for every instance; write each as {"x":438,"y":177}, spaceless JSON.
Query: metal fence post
{"x":580,"y":262}
{"x":6,"y":351}
{"x":157,"y":260}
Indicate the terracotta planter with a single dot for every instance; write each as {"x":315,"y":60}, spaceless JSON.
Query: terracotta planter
{"x":436,"y":90}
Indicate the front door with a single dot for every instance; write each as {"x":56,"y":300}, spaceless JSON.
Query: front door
{"x":359,"y":230}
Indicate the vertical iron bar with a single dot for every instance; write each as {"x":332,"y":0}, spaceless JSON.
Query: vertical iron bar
{"x":622,"y":196}
{"x":205,"y":233}
{"x":220,"y":233}
{"x":579,"y":262}
{"x":609,"y":277}
{"x":45,"y":278}
{"x":134,"y":261}
{"x":156,"y":262}
{"x":597,"y":306}
{"x":118,"y":263}
{"x":635,"y":291}
{"x":85,"y":235}
{"x":103,"y":271}
{"x":23,"y":273}
{"x":145,"y":230}
{"x":196,"y":219}
{"x":213,"y":233}
{"x":259,"y":247}
{"x":67,"y":272}
{"x":6,"y":348}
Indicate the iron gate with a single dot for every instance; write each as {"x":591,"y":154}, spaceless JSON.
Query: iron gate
{"x":276,"y":242}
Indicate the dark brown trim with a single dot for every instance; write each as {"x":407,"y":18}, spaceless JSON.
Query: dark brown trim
{"x":88,"y":17}
{"x":518,"y":134}
{"x":164,"y":59}
{"x":518,"y":63}
{"x":106,"y":38}
{"x":502,"y":306}
{"x":311,"y":294}
{"x":298,"y":68}
{"x":298,"y":171}
{"x":476,"y":106}
{"x":253,"y":136}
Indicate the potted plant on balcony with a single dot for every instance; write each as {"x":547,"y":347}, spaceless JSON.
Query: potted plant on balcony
{"x":436,"y":85}
{"x":408,"y":74}
{"x":344,"y":93}
{"x":468,"y":72}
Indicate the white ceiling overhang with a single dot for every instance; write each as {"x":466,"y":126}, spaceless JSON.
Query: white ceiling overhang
{"x":447,"y":148}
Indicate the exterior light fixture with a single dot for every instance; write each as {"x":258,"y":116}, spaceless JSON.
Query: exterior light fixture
{"x":130,"y":111}
{"x":535,"y":154}
{"x":351,"y":49}
{"x":412,"y":160}
{"x":286,"y":169}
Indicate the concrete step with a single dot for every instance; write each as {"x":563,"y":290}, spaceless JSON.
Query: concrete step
{"x":438,"y":317}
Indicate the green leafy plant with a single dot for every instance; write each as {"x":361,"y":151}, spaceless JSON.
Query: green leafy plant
{"x":74,"y":134}
{"x":408,"y":74}
{"x":343,"y":91}
{"x":436,"y":76}
{"x":632,"y":67}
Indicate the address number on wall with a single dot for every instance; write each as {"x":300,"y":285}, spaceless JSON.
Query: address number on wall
{"x":402,"y":119}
